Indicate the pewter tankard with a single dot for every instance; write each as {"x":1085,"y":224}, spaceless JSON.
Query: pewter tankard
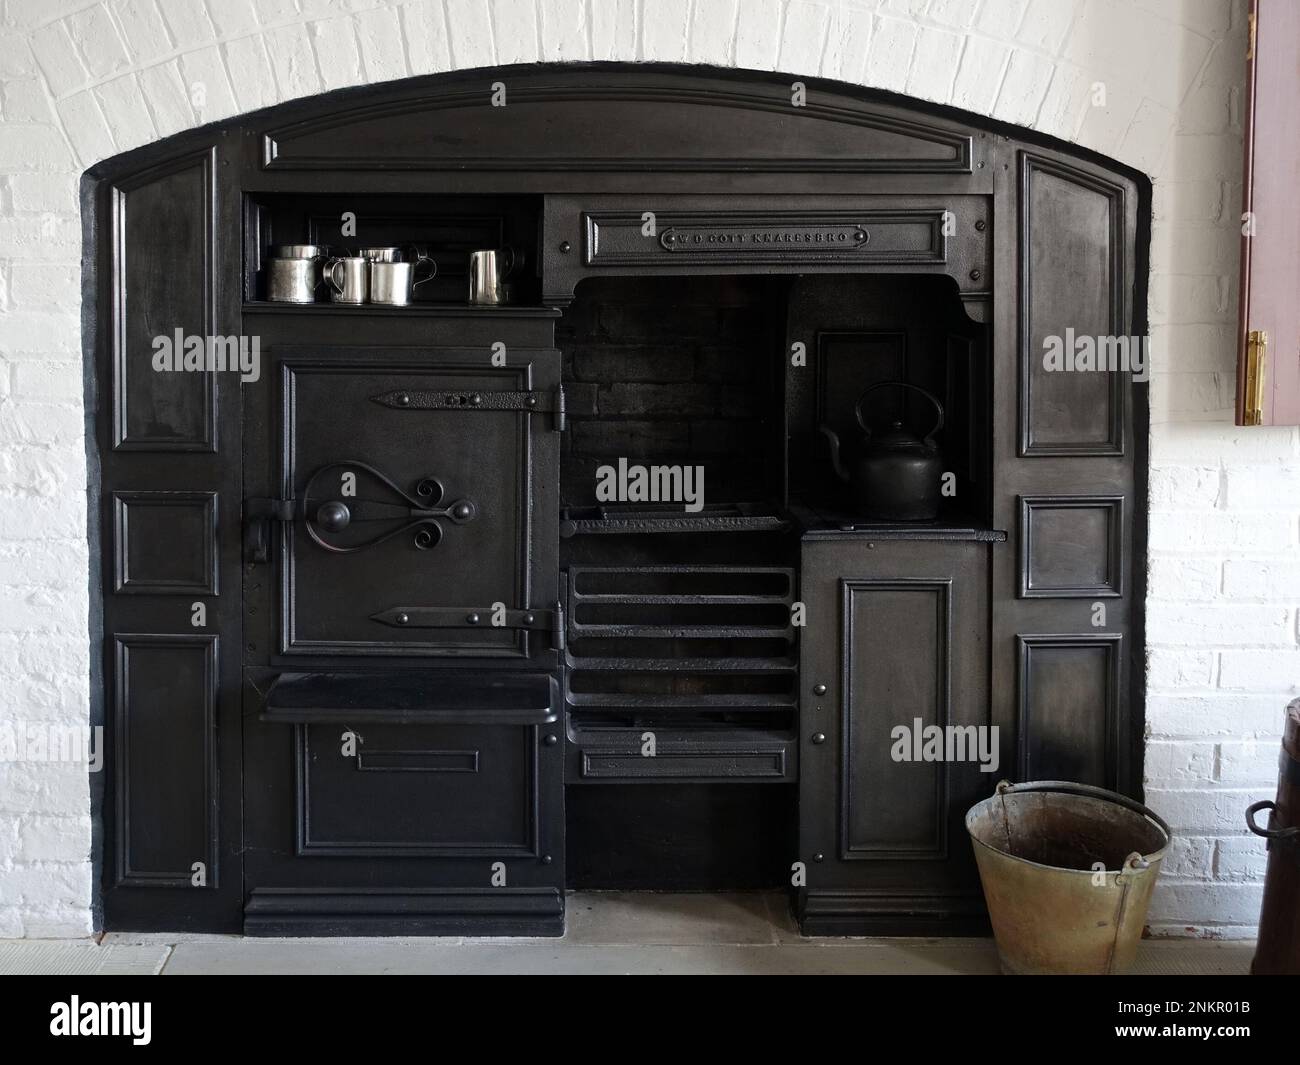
{"x":487,"y":272}
{"x":293,"y":273}
{"x":393,"y":283}
{"x":348,"y":279}
{"x":292,"y":280}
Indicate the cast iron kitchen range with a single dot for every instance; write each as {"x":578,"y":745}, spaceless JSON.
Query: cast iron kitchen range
{"x":379,"y":658}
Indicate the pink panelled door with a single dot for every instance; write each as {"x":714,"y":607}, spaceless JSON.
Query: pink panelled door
{"x":1268,"y":369}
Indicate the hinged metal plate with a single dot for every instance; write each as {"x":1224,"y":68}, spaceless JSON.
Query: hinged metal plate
{"x":473,"y":617}
{"x":456,"y":617}
{"x":495,"y":400}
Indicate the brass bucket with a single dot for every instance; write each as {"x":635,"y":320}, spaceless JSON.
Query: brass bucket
{"x":1067,"y":871}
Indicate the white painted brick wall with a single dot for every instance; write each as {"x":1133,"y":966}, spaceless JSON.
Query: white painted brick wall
{"x":84,"y":79}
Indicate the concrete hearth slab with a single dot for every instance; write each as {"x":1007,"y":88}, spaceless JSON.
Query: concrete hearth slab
{"x":83,"y":957}
{"x":619,"y":918}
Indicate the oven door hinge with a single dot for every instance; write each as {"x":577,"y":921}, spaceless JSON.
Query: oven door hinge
{"x":528,"y":402}
{"x":496,"y":616}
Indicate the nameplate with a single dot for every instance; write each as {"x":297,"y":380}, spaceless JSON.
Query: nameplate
{"x":868,"y":237}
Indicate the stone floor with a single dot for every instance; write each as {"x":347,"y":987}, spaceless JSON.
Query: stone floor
{"x":608,"y":933}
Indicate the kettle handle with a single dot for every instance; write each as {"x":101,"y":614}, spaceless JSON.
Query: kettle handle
{"x":862,"y":421}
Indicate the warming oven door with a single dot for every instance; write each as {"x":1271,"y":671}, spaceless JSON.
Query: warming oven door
{"x":407,"y":504}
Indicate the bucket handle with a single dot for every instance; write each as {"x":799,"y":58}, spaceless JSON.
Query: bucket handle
{"x":1268,"y":833}
{"x":1134,"y":863}
{"x":1069,"y":787}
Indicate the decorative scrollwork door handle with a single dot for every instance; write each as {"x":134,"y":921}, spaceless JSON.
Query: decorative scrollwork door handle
{"x":326,"y":519}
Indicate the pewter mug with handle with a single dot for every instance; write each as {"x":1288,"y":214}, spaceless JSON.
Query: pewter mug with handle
{"x":393,"y":283}
{"x":349,"y":279}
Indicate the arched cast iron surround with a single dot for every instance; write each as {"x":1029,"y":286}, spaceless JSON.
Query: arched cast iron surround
{"x":843,"y":144}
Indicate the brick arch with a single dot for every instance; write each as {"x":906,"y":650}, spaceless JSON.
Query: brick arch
{"x":116,"y":75}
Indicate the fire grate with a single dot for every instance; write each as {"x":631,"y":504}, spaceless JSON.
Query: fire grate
{"x":704,"y":653}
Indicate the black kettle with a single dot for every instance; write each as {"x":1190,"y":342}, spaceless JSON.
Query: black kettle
{"x":895,"y":475}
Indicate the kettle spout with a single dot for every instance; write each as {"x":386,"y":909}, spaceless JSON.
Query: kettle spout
{"x":836,"y":463}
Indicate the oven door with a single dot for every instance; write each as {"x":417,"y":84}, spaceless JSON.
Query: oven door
{"x":403,"y":801}
{"x":408,"y":497}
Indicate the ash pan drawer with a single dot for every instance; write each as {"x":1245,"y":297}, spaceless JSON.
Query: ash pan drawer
{"x":418,"y":763}
{"x":648,"y":754}
{"x":599,"y":764}
{"x":383,"y":789}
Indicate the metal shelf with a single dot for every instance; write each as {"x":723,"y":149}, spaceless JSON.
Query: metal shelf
{"x":411,"y":310}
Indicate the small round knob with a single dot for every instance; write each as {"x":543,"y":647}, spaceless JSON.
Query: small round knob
{"x":531,"y":401}
{"x":403,"y":400}
{"x":472,"y":619}
{"x":819,"y":689}
{"x":819,"y":857}
{"x":402,"y":619}
{"x":819,"y":738}
{"x":475,"y":400}
{"x":565,"y":247}
{"x":546,"y":859}
{"x":551,"y":739}
{"x":462,"y":511}
{"x":529,"y":618}
{"x":980,"y":226}
{"x":975,"y":275}
{"x":333,"y":516}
